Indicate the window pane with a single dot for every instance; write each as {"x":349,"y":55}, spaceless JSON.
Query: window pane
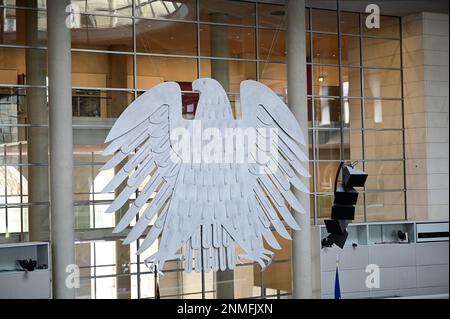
{"x":382,"y":83}
{"x":382,"y":206}
{"x":229,"y":73}
{"x":384,"y":175}
{"x":389,"y":27}
{"x":324,"y":20}
{"x":326,"y":112}
{"x":383,"y":114}
{"x":351,"y":82}
{"x":349,"y":22}
{"x":166,"y":37}
{"x":224,"y":41}
{"x":352,"y":113}
{"x":326,"y":80}
{"x":274,"y":76}
{"x":328,"y":144}
{"x":381,"y":53}
{"x":166,"y":9}
{"x":352,"y":145}
{"x":155,"y":70}
{"x":41,"y":4}
{"x":272,"y":16}
{"x":325,"y":49}
{"x":325,"y":176}
{"x":103,"y":33}
{"x":383,"y":144}
{"x":102,"y":70}
{"x":13,"y":66}
{"x":350,"y":50}
{"x":223,"y":11}
{"x":113,"y":7}
{"x":99,"y":104}
{"x":15,"y":23}
{"x":272,"y":45}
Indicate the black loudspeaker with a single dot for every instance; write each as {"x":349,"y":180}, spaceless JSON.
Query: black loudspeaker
{"x":338,"y":239}
{"x":335,"y":226}
{"x":343,"y":212}
{"x":345,"y":195}
{"x":353,"y":177}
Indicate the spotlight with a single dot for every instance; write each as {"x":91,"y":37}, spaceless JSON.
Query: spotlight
{"x":321,"y":78}
{"x":345,"y":199}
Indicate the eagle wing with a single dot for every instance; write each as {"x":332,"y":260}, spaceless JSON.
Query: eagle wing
{"x":274,"y":180}
{"x":142,"y":156}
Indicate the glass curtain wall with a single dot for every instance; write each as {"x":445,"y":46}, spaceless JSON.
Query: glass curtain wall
{"x":356,"y":111}
{"x":121,"y":48}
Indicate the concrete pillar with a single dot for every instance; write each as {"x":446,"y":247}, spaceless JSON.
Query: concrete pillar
{"x":296,"y":57}
{"x":61,"y":145}
{"x":37,"y":137}
{"x":220,"y":71}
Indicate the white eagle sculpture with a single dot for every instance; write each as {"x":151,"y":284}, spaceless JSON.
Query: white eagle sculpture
{"x":204,"y":205}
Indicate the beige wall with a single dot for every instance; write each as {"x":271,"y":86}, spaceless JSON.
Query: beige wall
{"x":426,"y":80}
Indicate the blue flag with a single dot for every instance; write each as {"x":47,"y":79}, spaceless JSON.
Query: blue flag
{"x":337,"y":287}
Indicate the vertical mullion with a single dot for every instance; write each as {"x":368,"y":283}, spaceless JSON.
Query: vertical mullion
{"x":261,"y":276}
{"x":403,"y":120}
{"x":6,"y":191}
{"x":313,"y":116}
{"x":92,"y":185}
{"x":21,"y":190}
{"x":138,"y":257}
{"x":257,"y":41}
{"x":363,"y":110}
{"x":341,"y":99}
{"x":197,"y":9}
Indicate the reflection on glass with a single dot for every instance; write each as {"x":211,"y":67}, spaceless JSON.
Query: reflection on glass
{"x":272,"y":16}
{"x":272,"y":45}
{"x":351,"y":82}
{"x":328,"y":144}
{"x":383,"y":144}
{"x":166,"y":37}
{"x":102,"y":70}
{"x":352,"y":144}
{"x":352,"y":113}
{"x":385,"y":175}
{"x":379,"y":83}
{"x":238,"y":71}
{"x":231,"y":12}
{"x":166,"y":9}
{"x":324,"y":20}
{"x":349,"y":22}
{"x":111,"y":7}
{"x":326,"y":80}
{"x":103,"y":33}
{"x":325,"y":48}
{"x":274,"y":75}
{"x":326,"y":111}
{"x":15,"y":22}
{"x":383,"y":114}
{"x":100,"y":103}
{"x":381,"y":53}
{"x":224,"y":41}
{"x":350,"y":50}
{"x":385,"y":206}
{"x":155,"y":70}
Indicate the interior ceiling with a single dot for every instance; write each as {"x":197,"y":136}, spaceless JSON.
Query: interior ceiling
{"x":388,"y":7}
